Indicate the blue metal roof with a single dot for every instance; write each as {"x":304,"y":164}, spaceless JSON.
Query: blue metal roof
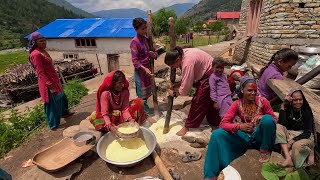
{"x":88,"y":27}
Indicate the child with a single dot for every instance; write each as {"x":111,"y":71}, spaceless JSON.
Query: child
{"x":141,"y":54}
{"x":219,"y":88}
{"x":279,"y":63}
{"x":234,"y":81}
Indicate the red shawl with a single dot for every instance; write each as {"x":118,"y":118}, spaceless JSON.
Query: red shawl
{"x":107,"y":85}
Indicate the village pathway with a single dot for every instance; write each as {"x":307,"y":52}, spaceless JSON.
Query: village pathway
{"x":94,"y":167}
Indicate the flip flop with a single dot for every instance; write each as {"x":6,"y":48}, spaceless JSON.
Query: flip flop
{"x":188,"y":157}
{"x":266,"y":156}
{"x":174,"y":175}
{"x":189,"y":139}
{"x":198,"y":145}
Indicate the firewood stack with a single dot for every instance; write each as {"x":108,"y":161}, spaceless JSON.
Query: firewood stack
{"x":20,"y":82}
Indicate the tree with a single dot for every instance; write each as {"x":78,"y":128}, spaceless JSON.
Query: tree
{"x":198,"y":26}
{"x":216,"y":26}
{"x":160,"y":20}
{"x":181,"y":26}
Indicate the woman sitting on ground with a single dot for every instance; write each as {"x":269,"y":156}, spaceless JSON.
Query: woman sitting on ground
{"x":256,"y":130}
{"x":294,"y":131}
{"x":112,"y":104}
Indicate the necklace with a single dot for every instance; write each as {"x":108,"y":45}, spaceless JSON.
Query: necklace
{"x":295,"y":118}
{"x":114,"y":97}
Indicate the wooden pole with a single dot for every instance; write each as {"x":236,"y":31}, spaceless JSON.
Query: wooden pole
{"x":172,"y":36}
{"x":63,"y":80}
{"x":99,"y":64}
{"x":304,"y":79}
{"x":151,"y":48}
{"x":161,"y":167}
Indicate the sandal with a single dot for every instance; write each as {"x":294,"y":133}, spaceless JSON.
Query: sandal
{"x":188,"y":157}
{"x":264,"y":157}
{"x":189,"y":139}
{"x":174,"y":175}
{"x":198,"y":145}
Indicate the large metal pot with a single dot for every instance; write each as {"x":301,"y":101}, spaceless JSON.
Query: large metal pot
{"x":145,"y":134}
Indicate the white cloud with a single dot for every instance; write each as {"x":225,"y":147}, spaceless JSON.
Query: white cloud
{"x":98,"y":5}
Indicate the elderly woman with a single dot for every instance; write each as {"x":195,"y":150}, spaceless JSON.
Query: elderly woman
{"x":55,"y":101}
{"x":294,"y":131}
{"x":196,"y":67}
{"x":113,"y":106}
{"x":256,"y":129}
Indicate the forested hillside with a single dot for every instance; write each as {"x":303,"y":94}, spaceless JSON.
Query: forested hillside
{"x":20,"y":17}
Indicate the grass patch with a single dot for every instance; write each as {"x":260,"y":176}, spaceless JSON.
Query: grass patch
{"x":10,"y":59}
{"x":14,"y":131}
{"x":198,"y":40}
{"x":74,"y":90}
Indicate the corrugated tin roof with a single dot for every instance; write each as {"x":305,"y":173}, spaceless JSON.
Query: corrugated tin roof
{"x":88,"y":27}
{"x":228,"y":15}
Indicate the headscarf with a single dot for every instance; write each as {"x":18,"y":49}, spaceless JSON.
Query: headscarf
{"x":107,"y":85}
{"x":305,"y":106}
{"x":32,"y":41}
{"x":243,"y":80}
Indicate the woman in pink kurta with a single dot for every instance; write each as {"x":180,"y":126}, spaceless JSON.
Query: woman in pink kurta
{"x":113,"y":106}
{"x":196,"y":67}
{"x":255,"y":130}
{"x":56,"y":103}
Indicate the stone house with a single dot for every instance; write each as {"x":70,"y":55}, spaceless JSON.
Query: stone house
{"x":89,"y":38}
{"x":276,"y":24}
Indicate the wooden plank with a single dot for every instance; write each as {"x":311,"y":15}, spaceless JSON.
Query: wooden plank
{"x":150,"y":34}
{"x":172,"y":36}
{"x":283,"y":87}
{"x":255,"y":67}
{"x":234,"y":45}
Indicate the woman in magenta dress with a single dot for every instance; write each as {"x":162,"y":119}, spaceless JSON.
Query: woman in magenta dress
{"x":55,"y":101}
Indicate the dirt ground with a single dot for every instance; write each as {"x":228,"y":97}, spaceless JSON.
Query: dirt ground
{"x":94,"y":167}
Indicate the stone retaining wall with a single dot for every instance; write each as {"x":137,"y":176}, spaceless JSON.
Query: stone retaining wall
{"x":283,"y":24}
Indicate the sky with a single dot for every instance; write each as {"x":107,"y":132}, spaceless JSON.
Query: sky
{"x":98,"y":5}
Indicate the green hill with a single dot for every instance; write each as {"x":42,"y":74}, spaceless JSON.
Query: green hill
{"x":70,"y":7}
{"x":207,"y":9}
{"x":20,"y":17}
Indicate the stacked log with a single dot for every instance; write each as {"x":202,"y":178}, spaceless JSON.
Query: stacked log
{"x":19,"y":83}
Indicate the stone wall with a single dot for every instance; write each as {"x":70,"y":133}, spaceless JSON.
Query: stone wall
{"x":283,"y":24}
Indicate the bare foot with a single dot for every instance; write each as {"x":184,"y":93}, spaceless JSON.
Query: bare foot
{"x":264,"y":157}
{"x":287,"y":163}
{"x":310,"y":161}
{"x":182,"y":132}
{"x":151,"y":120}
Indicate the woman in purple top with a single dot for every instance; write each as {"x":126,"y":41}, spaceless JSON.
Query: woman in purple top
{"x":141,"y":53}
{"x":279,"y":63}
{"x":220,"y":92}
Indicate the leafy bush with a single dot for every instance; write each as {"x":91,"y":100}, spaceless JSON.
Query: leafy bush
{"x":271,"y":171}
{"x":19,"y":126}
{"x":74,"y":91}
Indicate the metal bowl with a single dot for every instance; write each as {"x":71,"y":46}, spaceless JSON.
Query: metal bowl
{"x":82,"y":138}
{"x":308,"y":50}
{"x":145,"y":134}
{"x":130,"y":135}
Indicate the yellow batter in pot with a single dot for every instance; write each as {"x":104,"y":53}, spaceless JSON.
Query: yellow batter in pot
{"x":124,"y":150}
